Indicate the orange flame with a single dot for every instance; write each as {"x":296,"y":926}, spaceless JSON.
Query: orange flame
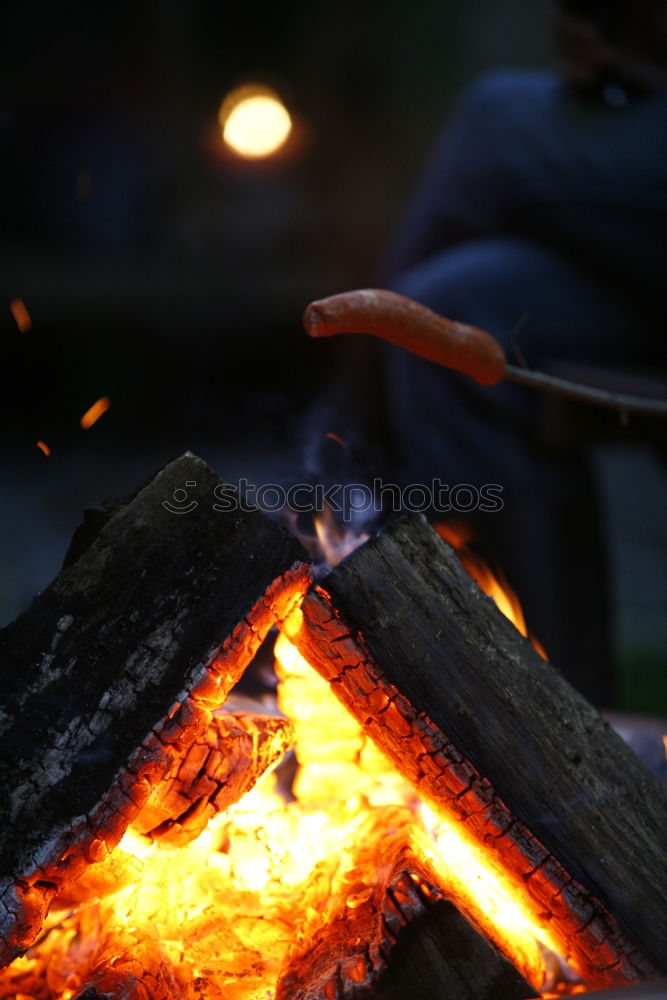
{"x":43,"y":447}
{"x":226,"y":914}
{"x":21,"y":315}
{"x":338,"y":763}
{"x":494,"y":585}
{"x":95,"y":412}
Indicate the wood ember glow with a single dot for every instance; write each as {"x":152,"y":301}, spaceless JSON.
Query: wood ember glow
{"x":154,"y":851}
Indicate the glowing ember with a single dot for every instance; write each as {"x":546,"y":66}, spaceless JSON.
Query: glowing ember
{"x":92,"y":415}
{"x":43,"y":447}
{"x":338,"y":761}
{"x":254,"y":121}
{"x":21,"y":315}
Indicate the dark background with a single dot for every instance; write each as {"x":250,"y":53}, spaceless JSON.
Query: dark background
{"x":169,"y":276}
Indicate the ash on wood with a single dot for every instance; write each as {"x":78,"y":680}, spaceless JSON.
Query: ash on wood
{"x":394,"y":934}
{"x":490,"y":733}
{"x":112,"y":673}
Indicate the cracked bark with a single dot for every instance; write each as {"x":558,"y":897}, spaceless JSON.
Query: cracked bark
{"x":492,"y":735}
{"x":235,"y":752}
{"x":113,"y":672}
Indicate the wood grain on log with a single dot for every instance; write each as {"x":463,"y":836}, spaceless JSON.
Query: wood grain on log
{"x":392,"y":934}
{"x":491,"y":734}
{"x":113,"y":673}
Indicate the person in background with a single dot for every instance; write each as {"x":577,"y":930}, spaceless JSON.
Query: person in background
{"x":542,"y":218}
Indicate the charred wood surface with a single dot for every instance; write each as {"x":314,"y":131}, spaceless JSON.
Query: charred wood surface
{"x":394,"y":935}
{"x":439,"y":954}
{"x":233,"y":754}
{"x":113,"y":672}
{"x":99,"y":880}
{"x":490,"y":733}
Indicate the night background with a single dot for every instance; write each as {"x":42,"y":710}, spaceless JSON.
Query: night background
{"x":163,"y":272}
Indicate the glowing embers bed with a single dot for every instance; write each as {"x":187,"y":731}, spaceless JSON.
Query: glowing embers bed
{"x":279,"y":898}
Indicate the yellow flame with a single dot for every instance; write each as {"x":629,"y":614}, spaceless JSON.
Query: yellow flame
{"x":337,"y":760}
{"x":230,"y":909}
{"x":92,"y":415}
{"x":255,"y":123}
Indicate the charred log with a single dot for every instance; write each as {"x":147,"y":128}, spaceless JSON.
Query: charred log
{"x":440,"y":954}
{"x":394,"y":934}
{"x":234,"y":753}
{"x":490,"y":733}
{"x":113,"y":672}
{"x":100,"y":880}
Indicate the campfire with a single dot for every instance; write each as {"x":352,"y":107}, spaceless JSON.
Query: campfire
{"x":426,"y":810}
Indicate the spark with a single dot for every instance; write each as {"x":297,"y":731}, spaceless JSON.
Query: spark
{"x":337,"y":438}
{"x":21,"y":315}
{"x":95,"y":412}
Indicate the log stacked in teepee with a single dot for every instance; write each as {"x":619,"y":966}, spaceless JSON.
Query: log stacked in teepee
{"x":112,"y":677}
{"x":399,"y":937}
{"x":490,"y":733}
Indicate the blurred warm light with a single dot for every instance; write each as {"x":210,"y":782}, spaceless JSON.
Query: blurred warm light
{"x":43,"y":447}
{"x":255,"y":123}
{"x":20,"y":314}
{"x":95,"y":412}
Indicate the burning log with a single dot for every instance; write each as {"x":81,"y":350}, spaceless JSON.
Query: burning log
{"x":491,"y":734}
{"x":95,"y":953}
{"x":236,"y":751}
{"x":128,"y":965}
{"x":100,"y":880}
{"x":112,"y":674}
{"x":214,"y":773}
{"x":391,"y":933}
{"x":440,"y":954}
